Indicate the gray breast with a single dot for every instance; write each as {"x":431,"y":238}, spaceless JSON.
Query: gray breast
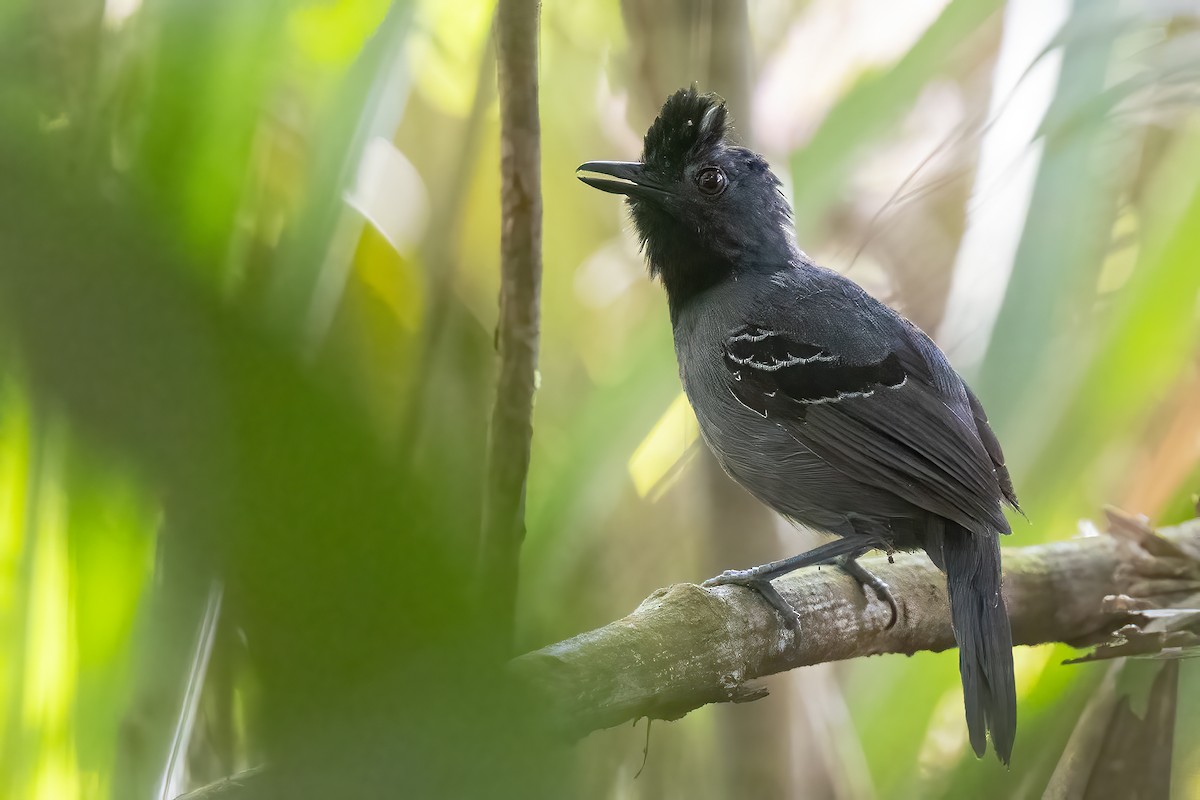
{"x":759,"y":452}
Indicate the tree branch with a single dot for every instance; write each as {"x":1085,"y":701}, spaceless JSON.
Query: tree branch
{"x":517,"y":328}
{"x":686,"y":646}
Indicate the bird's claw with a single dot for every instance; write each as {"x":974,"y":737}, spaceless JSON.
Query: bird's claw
{"x":884,"y":593}
{"x":751,"y":580}
{"x":866,"y":578}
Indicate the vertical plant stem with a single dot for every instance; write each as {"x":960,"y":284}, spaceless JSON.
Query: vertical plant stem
{"x":517,"y":326}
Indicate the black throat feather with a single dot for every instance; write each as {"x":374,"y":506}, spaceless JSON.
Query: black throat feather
{"x":677,"y":257}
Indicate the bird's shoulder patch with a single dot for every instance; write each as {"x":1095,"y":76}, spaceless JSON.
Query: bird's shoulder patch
{"x":772,"y":370}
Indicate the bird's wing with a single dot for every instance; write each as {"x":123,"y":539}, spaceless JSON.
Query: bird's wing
{"x":931,"y":366}
{"x":992,"y":444}
{"x":876,"y":409}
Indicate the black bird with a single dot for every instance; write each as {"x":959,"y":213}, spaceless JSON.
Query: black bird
{"x":824,"y":403}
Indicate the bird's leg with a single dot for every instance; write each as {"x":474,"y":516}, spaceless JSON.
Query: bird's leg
{"x":759,"y":578}
{"x":849,"y":564}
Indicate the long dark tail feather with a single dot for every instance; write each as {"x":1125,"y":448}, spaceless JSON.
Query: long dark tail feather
{"x":972,"y":565}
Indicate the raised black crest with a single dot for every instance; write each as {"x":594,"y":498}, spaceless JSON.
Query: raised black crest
{"x":689,"y":124}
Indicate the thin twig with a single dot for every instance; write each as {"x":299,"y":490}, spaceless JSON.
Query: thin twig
{"x":517,"y":328}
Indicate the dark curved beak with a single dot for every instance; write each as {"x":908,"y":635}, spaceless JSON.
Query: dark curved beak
{"x":631,"y":179}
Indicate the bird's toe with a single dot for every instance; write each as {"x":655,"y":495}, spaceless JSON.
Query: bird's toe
{"x":735,"y":577}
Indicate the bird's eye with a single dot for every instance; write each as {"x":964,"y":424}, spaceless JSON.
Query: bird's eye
{"x":710,"y":181}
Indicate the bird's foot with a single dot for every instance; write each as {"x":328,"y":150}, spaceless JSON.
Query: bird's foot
{"x":753,"y":579}
{"x":865,"y":578}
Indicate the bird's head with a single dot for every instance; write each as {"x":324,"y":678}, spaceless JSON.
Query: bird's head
{"x":705,"y":209}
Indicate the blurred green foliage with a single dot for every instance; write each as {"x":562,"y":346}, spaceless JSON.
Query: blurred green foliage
{"x":248,"y":270}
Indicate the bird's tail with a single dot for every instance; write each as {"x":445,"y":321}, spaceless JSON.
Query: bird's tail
{"x":972,"y":565}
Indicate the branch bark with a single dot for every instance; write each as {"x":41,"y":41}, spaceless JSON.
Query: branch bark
{"x":686,"y":646}
{"x":517,"y":327}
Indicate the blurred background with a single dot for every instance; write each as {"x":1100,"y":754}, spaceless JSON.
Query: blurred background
{"x":248,"y":279}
